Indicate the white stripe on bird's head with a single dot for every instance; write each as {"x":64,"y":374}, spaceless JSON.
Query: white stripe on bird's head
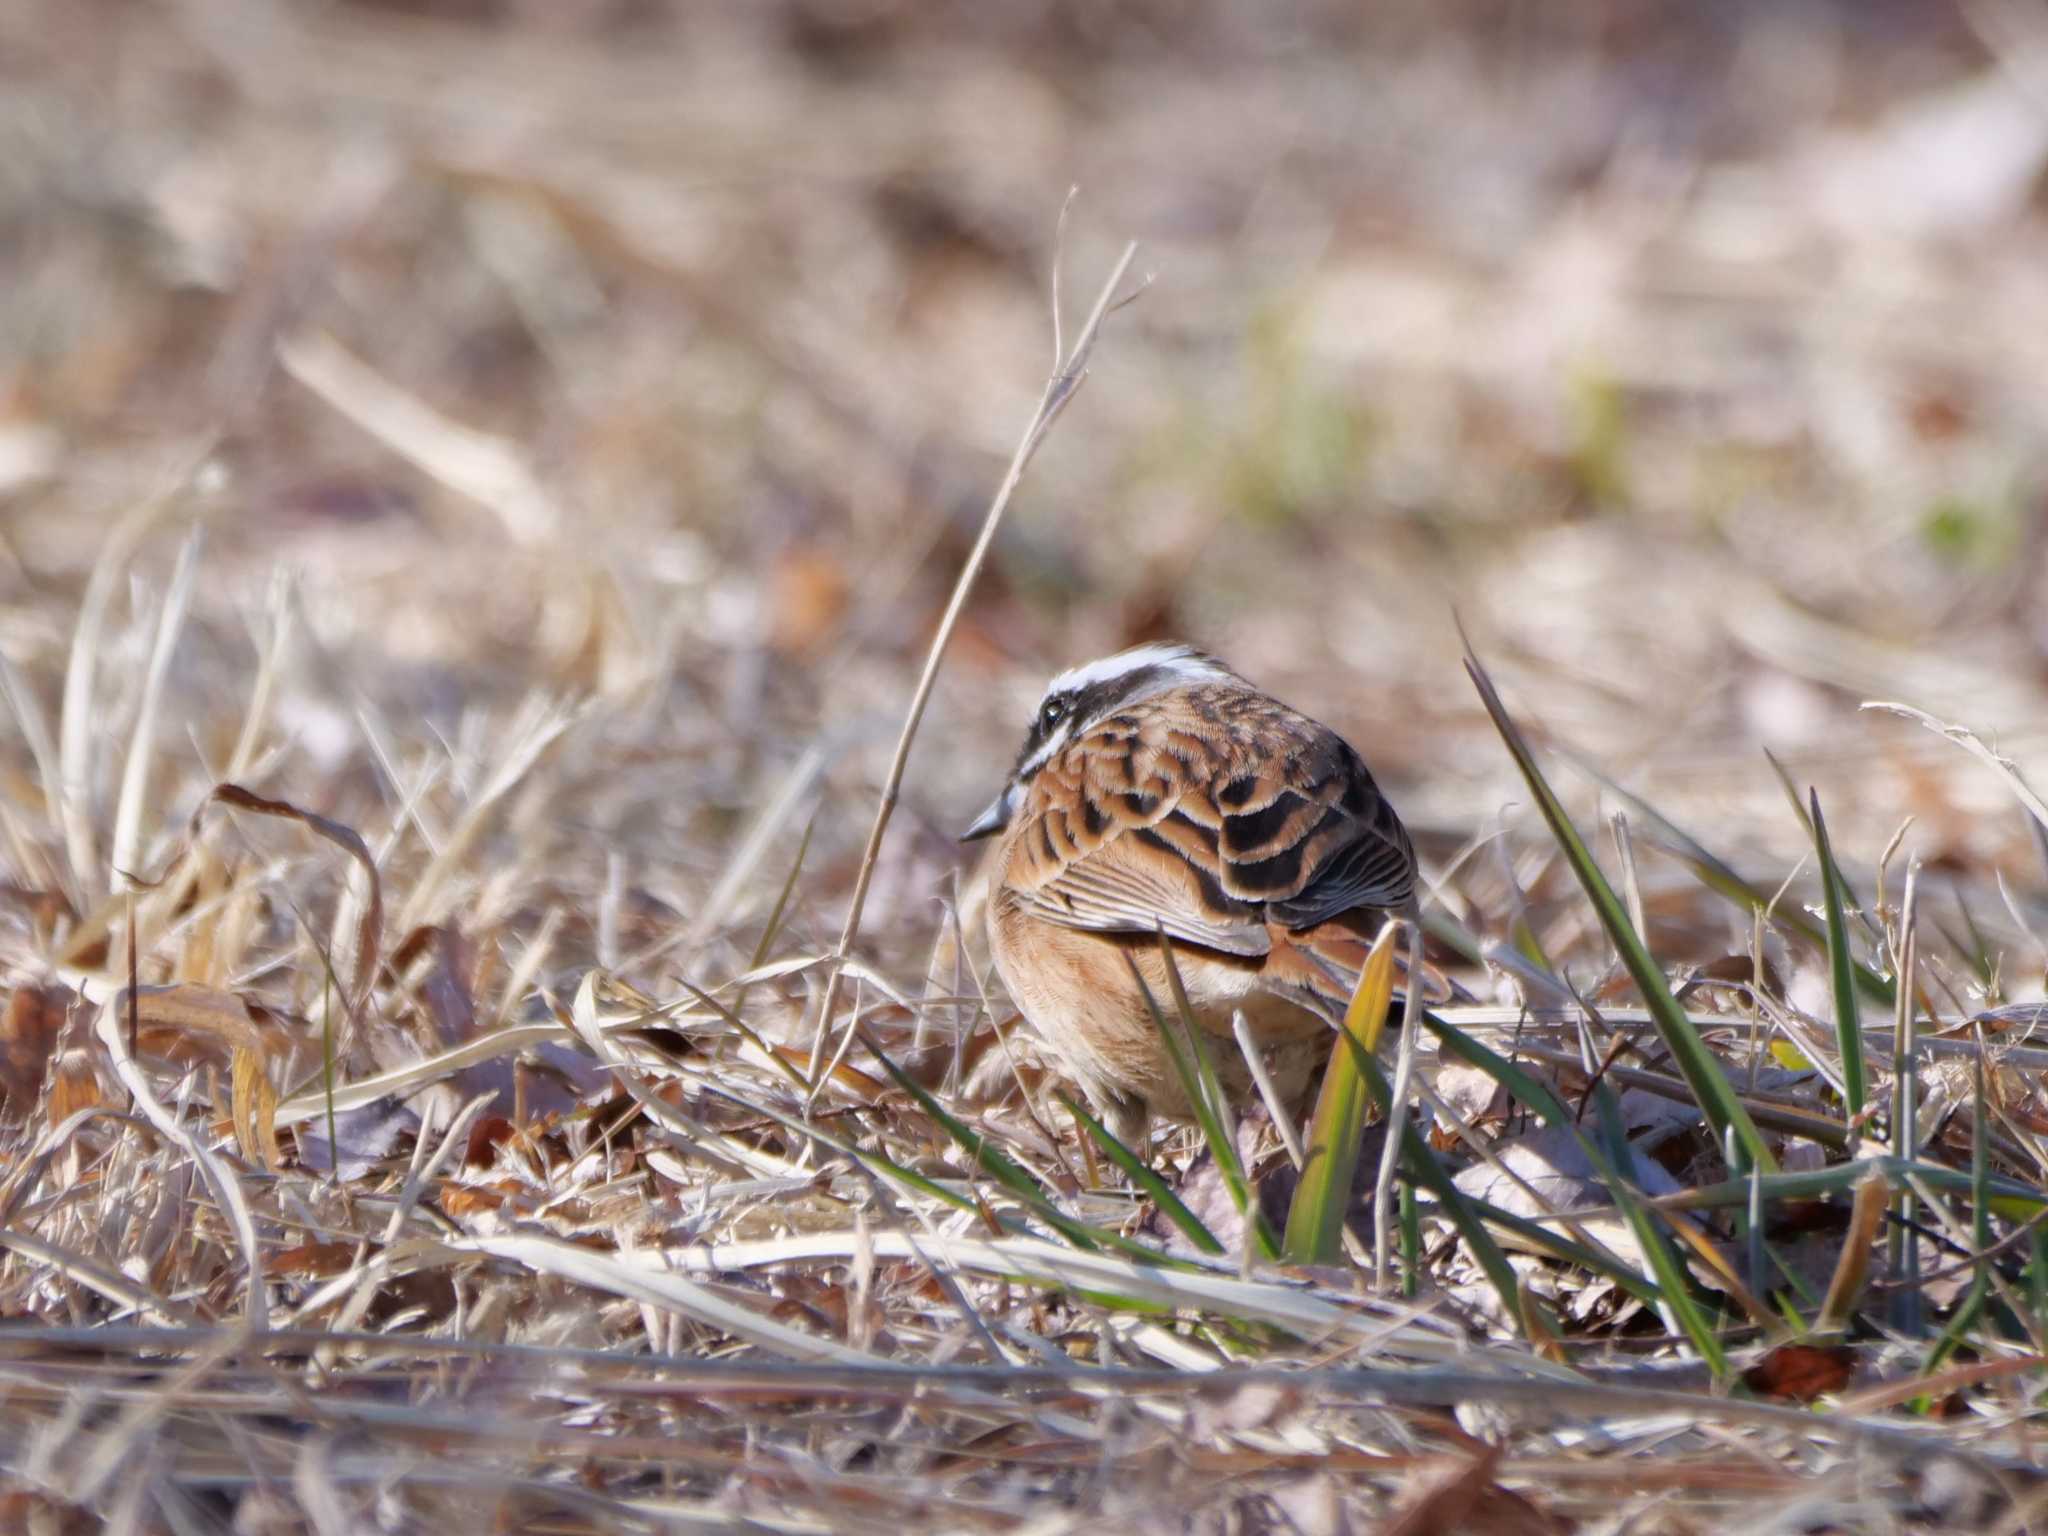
{"x":1078,"y":699}
{"x":1176,"y":664}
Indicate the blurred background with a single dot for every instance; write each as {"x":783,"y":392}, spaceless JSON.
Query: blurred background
{"x":655,"y":364}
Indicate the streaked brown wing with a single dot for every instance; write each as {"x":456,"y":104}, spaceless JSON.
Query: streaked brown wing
{"x":1124,"y":888}
{"x":1310,"y":837}
{"x":1206,"y":814}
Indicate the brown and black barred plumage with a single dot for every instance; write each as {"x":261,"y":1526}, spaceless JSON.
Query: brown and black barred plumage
{"x":1159,"y":790}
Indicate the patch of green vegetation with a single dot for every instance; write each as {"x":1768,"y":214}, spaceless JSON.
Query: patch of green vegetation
{"x":1294,"y":446}
{"x":1968,"y":531}
{"x":1599,"y":432}
{"x":1306,"y":440}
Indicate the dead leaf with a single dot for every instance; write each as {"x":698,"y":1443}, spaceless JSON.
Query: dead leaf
{"x":370,"y":927}
{"x":1466,"y":1499}
{"x":1472,"y":1091}
{"x":187,"y":1024}
{"x":485,"y":1137}
{"x":1551,"y":1163}
{"x":254,"y":1107}
{"x":1800,"y":1373}
{"x":367,"y":1136}
{"x":1866,"y":1220}
{"x":807,"y":597}
{"x":34,"y":1514}
{"x":446,"y":989}
{"x":28,"y":1039}
{"x":314,"y":1261}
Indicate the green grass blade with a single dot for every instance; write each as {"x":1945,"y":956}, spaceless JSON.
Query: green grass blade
{"x":875,"y":1162}
{"x":1411,"y":1241}
{"x":1198,"y":1081}
{"x":1674,"y":1291}
{"x":1545,"y":1239}
{"x":1203,"y":1065}
{"x":1800,"y":809}
{"x":2008,"y":1198}
{"x":1848,"y":1021}
{"x":1454,"y":936}
{"x":1081,"y":1233}
{"x":746,"y":1032}
{"x":1534,"y":1094}
{"x":1426,"y":1172}
{"x":1141,"y":1174}
{"x":1717,"y":875}
{"x":1717,"y":1098}
{"x":1012,"y":1176}
{"x":1971,"y":1308}
{"x":1315,"y":1219}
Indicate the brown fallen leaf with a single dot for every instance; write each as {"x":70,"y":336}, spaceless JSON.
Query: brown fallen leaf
{"x":370,"y":924}
{"x":1465,"y":1499}
{"x":1800,"y":1373}
{"x":28,"y":1039}
{"x":313,"y":1260}
{"x":485,"y":1136}
{"x":254,"y":1108}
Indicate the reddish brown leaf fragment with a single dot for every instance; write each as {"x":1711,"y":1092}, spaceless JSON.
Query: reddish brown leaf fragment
{"x":1800,"y":1373}
{"x":489,"y":1133}
{"x":28,"y":1039}
{"x":314,"y":1260}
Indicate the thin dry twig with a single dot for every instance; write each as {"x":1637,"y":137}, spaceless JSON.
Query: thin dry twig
{"x":227,"y":1189}
{"x":1069,"y":373}
{"x":1975,"y":745}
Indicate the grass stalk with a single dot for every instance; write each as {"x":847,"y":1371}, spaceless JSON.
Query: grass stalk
{"x":1070,"y":371}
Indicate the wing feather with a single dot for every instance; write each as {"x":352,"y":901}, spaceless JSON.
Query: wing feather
{"x":1210,"y":812}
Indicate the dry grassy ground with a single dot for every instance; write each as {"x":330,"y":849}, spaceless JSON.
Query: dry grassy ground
{"x":529,"y":446}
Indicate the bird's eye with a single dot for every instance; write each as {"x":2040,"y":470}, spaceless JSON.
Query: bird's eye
{"x":1051,"y":713}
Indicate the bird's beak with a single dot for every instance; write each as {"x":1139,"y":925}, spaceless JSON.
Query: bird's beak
{"x":990,"y":821}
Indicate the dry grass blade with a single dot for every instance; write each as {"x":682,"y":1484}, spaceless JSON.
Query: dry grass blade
{"x":400,"y":1081}
{"x":1719,"y":876}
{"x":1310,"y":1314}
{"x":1973,"y":744}
{"x":484,"y":468}
{"x":1859,"y":1244}
{"x":128,"y":810}
{"x":1963,"y":1321}
{"x":538,"y":725}
{"x":79,"y":717}
{"x":370,"y":925}
{"x":1397,"y":1105}
{"x":227,"y":1190}
{"x":724,"y":1153}
{"x":658,"y":1288}
{"x":114,"y":1286}
{"x":35,"y":731}
{"x":1069,"y":372}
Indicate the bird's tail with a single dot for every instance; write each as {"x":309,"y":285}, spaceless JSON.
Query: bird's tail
{"x":1320,"y":966}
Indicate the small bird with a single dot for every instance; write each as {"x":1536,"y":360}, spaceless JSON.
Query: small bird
{"x":1159,"y":791}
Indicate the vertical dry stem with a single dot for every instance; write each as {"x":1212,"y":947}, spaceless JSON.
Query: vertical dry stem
{"x":1068,"y":373}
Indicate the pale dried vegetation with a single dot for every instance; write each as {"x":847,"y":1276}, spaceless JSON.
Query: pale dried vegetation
{"x":524,"y":451}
